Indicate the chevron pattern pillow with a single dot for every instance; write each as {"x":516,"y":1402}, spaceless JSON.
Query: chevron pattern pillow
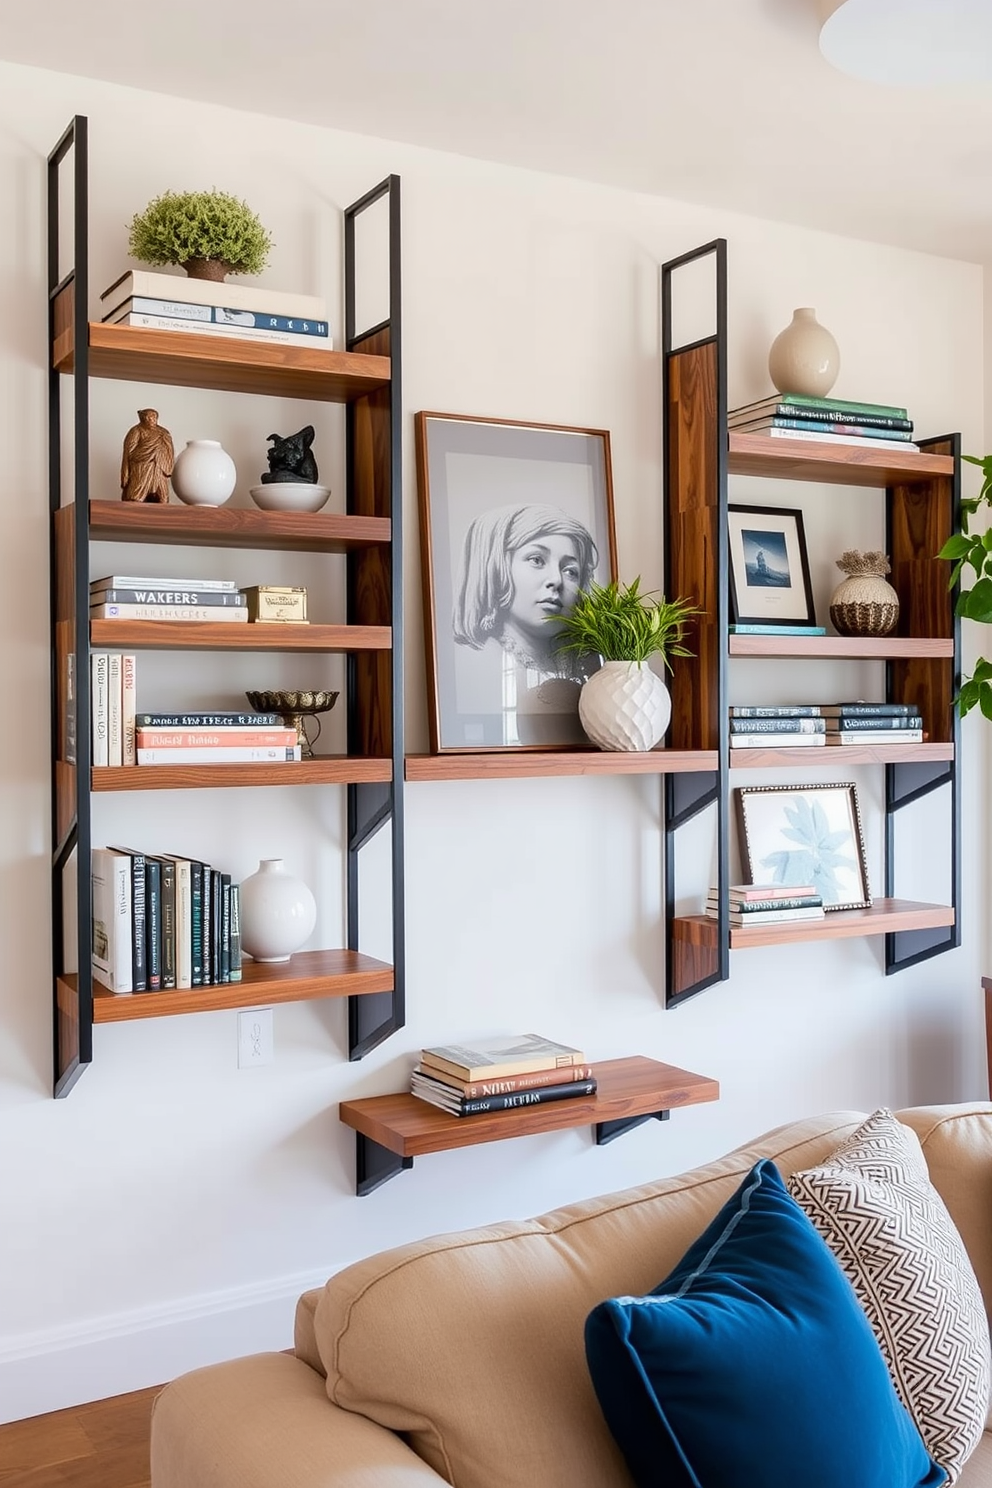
{"x":874,"y":1205}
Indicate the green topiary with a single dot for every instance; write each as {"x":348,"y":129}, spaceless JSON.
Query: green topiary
{"x":180,"y":227}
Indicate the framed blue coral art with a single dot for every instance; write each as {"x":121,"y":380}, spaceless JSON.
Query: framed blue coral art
{"x":805,"y":835}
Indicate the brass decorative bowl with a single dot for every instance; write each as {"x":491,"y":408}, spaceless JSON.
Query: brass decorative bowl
{"x":294,"y":707}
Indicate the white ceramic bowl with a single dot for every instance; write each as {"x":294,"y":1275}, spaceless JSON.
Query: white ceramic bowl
{"x":301,"y":496}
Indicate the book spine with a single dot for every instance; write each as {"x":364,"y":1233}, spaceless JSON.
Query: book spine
{"x":184,"y":925}
{"x":777,"y":725}
{"x":744,"y":628}
{"x":231,"y":332}
{"x":482,"y":1089}
{"x":216,"y":929}
{"x":842,"y":405}
{"x":863,"y":431}
{"x":135,"y":581}
{"x":152,"y":738}
{"x":221,"y":598}
{"x":196,"y":923}
{"x":235,"y":967}
{"x":168,"y":881}
{"x":168,"y":612}
{"x":100,"y":662}
{"x":208,"y":720}
{"x":111,"y":891}
{"x":153,"y":922}
{"x":804,"y":710}
{"x":774,"y":916}
{"x":853,"y":724}
{"x":129,"y":685}
{"x":746,"y":907}
{"x":225,"y":927}
{"x":784,"y":740}
{"x":575,"y":1090}
{"x":138,"y":282}
{"x":877,"y":736}
{"x":115,"y":750}
{"x":69,"y":706}
{"x":844,"y":415}
{"x":208,"y":925}
{"x":825,"y":438}
{"x":221,"y":755}
{"x":259,"y":320}
{"x":434,"y":1060}
{"x":869,"y":710}
{"x":139,"y":928}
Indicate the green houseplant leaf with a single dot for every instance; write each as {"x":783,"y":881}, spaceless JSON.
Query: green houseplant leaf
{"x":180,"y":226}
{"x":619,"y":623}
{"x":966,"y":550}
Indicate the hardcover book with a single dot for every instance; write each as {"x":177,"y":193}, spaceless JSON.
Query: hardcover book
{"x":129,"y":692}
{"x":139,"y":918}
{"x":208,"y":720}
{"x":235,"y":966}
{"x":184,"y":613}
{"x":229,"y":332}
{"x":164,"y":595}
{"x":204,"y":291}
{"x":242,"y":754}
{"x":507,"y":1055}
{"x":772,"y":916}
{"x":803,"y":710}
{"x":779,"y":630}
{"x":860,"y":723}
{"x":164,"y":738}
{"x":115,"y":735}
{"x":507,"y":1084}
{"x":778,"y":723}
{"x":866,"y":710}
{"x":100,"y":706}
{"x":770,"y":891}
{"x":141,"y":581}
{"x":846,"y":433}
{"x":787,"y":739}
{"x":436,"y":1095}
{"x":876,"y":736}
{"x":299,"y":325}
{"x":778,"y":408}
{"x":111,"y":890}
{"x":835,"y":405}
{"x":813,"y":434}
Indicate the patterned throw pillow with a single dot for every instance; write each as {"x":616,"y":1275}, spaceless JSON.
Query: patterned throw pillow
{"x":874,"y":1205}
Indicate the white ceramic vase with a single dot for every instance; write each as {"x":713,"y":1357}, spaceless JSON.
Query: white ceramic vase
{"x":278,"y":912}
{"x":204,"y":473}
{"x":625,"y":706}
{"x":804,"y":358}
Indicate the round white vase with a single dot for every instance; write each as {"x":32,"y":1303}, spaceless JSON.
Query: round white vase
{"x":204,"y":473}
{"x":625,"y":706}
{"x":804,"y":358}
{"x":278,"y":912}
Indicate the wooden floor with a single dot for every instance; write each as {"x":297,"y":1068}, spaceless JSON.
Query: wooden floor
{"x":102,"y":1445}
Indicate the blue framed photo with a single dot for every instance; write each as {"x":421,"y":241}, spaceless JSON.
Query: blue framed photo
{"x":769,"y":567}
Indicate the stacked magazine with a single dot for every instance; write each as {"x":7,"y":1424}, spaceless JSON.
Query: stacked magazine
{"x":501,"y":1074}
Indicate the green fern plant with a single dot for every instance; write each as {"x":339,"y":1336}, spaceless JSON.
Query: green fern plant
{"x":619,"y":623}
{"x":182,"y":225}
{"x":975,"y":552}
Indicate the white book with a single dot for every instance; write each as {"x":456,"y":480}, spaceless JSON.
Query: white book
{"x":115,"y":752}
{"x":207,"y":292}
{"x":129,"y":666}
{"x":770,"y":916}
{"x":111,"y":886}
{"x":876,"y":736}
{"x":100,"y":706}
{"x":228,"y":332}
{"x":222,"y":754}
{"x":776,"y":741}
{"x":135,"y":581}
{"x":223,"y":614}
{"x":902,"y":445}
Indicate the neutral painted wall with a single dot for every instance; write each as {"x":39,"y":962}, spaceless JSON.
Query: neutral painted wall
{"x":168,"y":1212}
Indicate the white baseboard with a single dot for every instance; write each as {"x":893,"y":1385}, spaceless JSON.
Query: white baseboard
{"x":59,"y":1367}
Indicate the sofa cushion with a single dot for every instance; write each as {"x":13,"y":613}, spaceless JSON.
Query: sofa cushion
{"x":753,"y":1362}
{"x":472,"y":1344}
{"x":874,"y":1205}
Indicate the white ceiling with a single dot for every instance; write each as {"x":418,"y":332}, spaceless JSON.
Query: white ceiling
{"x":726,"y":102}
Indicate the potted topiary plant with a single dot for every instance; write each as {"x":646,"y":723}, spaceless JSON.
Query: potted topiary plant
{"x":974,"y":603}
{"x":210,"y":234}
{"x":625,"y":705}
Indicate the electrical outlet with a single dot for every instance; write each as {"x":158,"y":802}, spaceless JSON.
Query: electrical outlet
{"x":255,"y":1038}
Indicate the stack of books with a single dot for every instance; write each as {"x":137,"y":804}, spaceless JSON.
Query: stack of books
{"x":166,"y":303}
{"x":214,"y":739}
{"x":872,"y":723}
{"x":832,"y":420}
{"x":501,"y":1074}
{"x":113,"y":684}
{"x":130,"y":597}
{"x":768,"y":904}
{"x":162,"y":922}
{"x":780,"y":727}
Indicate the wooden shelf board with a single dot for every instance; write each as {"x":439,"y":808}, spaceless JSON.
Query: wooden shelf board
{"x":219,"y":635}
{"x":324,"y":770}
{"x":840,"y":754}
{"x":839,"y":464}
{"x":884,"y":917}
{"x":512,"y":764}
{"x":238,"y":527}
{"x":853,"y":647}
{"x":627,"y":1087}
{"x":226,"y":363}
{"x":307,"y":975}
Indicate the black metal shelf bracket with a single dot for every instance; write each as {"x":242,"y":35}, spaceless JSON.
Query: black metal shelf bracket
{"x":375,"y":1164}
{"x":608,"y":1131}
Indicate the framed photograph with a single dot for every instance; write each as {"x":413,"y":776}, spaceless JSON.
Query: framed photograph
{"x":806,"y":834}
{"x":769,"y":569}
{"x":515,"y":520}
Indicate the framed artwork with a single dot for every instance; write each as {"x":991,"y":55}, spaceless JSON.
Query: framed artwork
{"x":806,"y":834}
{"x":769,"y":568}
{"x":515,"y":520}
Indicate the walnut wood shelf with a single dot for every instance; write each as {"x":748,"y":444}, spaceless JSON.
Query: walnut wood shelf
{"x":223,"y":363}
{"x":630,"y":1091}
{"x":865,"y":648}
{"x":324,"y":770}
{"x":885,"y":917}
{"x":227,"y":527}
{"x":219,"y":635}
{"x":838,"y":464}
{"x":515,"y":765}
{"x":306,"y":976}
{"x":840,"y":754}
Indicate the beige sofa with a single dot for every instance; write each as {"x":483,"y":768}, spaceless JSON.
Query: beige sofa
{"x":460,"y":1359}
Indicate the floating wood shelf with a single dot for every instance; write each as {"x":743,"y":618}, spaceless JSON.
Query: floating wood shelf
{"x":865,"y":648}
{"x":304,"y":977}
{"x":516,"y":764}
{"x":841,"y":755}
{"x":325,"y":770}
{"x":394,"y":1129}
{"x":238,"y":527}
{"x":885,"y":917}
{"x":838,"y":464}
{"x":219,"y":635}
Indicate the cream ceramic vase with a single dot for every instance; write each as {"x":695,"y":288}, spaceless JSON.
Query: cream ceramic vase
{"x":804,"y":358}
{"x":204,"y":473}
{"x":625,"y":706}
{"x":278,"y":912}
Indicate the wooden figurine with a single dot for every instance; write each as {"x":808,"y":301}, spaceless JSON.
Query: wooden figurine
{"x":147,"y":459}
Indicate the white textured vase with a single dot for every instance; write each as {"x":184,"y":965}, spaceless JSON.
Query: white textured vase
{"x":278,"y":912}
{"x":625,"y":706}
{"x":804,"y":358}
{"x":204,"y":473}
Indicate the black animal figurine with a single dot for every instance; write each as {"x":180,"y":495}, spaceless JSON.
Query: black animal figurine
{"x":290,"y":458}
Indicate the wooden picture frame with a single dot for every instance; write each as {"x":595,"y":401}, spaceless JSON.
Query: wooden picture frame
{"x":769,"y":567}
{"x":805,"y":834}
{"x":514,"y":518}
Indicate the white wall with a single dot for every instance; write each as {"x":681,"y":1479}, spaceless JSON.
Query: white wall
{"x":171,"y":1208}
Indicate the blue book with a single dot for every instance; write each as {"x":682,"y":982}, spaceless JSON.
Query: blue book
{"x":778,"y":630}
{"x":247,"y":320}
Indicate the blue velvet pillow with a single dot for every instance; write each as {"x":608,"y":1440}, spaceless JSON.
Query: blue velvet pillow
{"x":753,"y":1364}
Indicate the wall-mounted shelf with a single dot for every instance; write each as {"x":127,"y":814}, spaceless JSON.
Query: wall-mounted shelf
{"x":513,"y":765}
{"x":841,"y":755}
{"x":850,"y":648}
{"x":344,"y":769}
{"x":834,"y":464}
{"x":206,"y":635}
{"x":885,"y":917}
{"x":236,"y":527}
{"x":394,"y":1129}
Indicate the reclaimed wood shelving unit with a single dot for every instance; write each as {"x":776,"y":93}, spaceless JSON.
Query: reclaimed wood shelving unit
{"x":366,"y":378}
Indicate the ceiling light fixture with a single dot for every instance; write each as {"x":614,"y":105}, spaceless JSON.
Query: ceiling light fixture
{"x":913,"y":43}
